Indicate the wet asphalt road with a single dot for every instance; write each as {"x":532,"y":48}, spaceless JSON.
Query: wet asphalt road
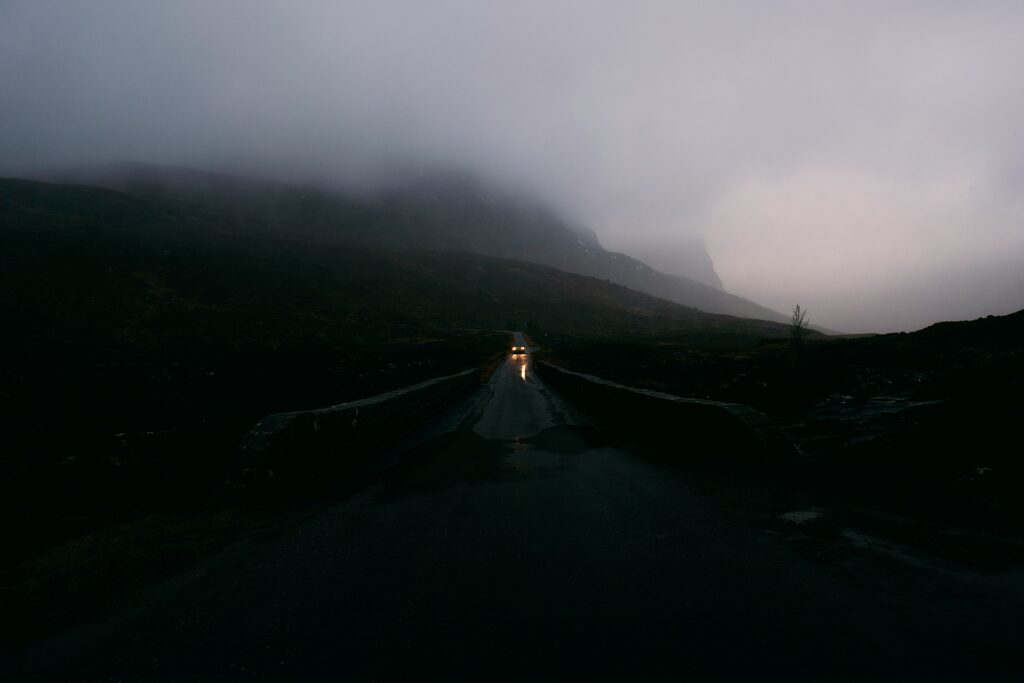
{"x":527,"y":548}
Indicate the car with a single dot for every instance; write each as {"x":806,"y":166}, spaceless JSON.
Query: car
{"x":518,"y":350}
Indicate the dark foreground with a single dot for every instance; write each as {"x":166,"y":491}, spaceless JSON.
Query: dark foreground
{"x":525,"y":545}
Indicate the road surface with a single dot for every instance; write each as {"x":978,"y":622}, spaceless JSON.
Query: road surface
{"x":528,"y":548}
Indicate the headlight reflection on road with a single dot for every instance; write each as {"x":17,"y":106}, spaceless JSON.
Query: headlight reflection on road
{"x":522,"y":369}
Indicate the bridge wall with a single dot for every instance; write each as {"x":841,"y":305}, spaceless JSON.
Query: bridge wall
{"x":686,"y":423}
{"x":303,"y":451}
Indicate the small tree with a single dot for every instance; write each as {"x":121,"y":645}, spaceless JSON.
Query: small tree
{"x":798,"y":325}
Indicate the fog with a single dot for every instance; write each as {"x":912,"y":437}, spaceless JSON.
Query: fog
{"x":862,"y":159}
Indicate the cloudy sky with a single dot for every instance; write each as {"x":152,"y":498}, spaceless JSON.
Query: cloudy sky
{"x":862,"y":158}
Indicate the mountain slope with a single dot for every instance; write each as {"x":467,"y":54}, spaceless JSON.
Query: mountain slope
{"x":690,"y":259}
{"x":444,"y":212}
{"x":91,"y":266}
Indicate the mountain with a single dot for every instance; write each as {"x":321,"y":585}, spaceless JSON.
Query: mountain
{"x":88,"y":268}
{"x":689,"y":259}
{"x":443,"y":211}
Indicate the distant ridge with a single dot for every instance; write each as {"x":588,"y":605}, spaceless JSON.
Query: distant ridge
{"x":446,"y":211}
{"x":92,"y":268}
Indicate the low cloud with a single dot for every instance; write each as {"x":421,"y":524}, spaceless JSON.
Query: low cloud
{"x":855,"y":157}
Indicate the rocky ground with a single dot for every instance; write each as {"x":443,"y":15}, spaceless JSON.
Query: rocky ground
{"x":916,"y":425}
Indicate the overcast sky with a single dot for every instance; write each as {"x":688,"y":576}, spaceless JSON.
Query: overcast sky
{"x":864,"y":159}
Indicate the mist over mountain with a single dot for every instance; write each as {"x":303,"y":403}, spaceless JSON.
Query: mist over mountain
{"x":441,"y":210}
{"x":689,"y":259}
{"x":856,"y":158}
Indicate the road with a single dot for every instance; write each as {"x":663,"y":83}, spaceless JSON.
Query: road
{"x":526,"y":547}
{"x":516,"y":405}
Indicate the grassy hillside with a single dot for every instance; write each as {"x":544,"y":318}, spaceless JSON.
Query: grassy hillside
{"x":445,"y":211}
{"x":87,"y":266}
